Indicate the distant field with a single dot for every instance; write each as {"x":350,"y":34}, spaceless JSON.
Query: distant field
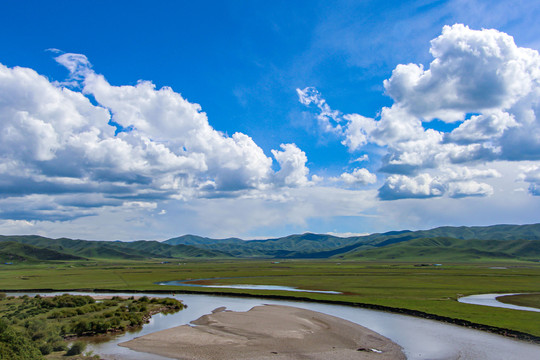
{"x":414,"y":286}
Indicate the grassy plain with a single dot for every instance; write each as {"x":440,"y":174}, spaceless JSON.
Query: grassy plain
{"x":430,"y":289}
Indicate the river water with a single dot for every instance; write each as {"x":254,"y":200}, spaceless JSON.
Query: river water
{"x":491,"y":300}
{"x":420,"y":339}
{"x":242,"y":286}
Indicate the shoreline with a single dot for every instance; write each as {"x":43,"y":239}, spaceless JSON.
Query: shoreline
{"x":268,"y":332}
{"x":415,"y":313}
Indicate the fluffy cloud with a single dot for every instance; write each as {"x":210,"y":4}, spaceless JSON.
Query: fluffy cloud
{"x":482,"y":72}
{"x":359,"y":177}
{"x":292,"y":161}
{"x":479,"y":79}
{"x":473,"y":71}
{"x":483,"y":127}
{"x":531,"y":175}
{"x":469,"y":188}
{"x":133,"y":144}
{"x":454,"y":182}
{"x":465,"y":174}
{"x":180,"y":128}
{"x":403,"y":187}
{"x":358,"y":130}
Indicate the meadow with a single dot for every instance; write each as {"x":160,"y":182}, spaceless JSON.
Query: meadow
{"x":413,"y":287}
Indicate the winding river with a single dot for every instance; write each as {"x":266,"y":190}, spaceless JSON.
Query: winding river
{"x":419,"y":338}
{"x":491,"y":300}
{"x":193,"y":283}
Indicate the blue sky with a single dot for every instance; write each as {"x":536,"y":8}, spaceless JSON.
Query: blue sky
{"x":129,"y":120}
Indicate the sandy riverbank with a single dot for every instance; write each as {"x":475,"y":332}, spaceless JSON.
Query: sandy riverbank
{"x":268,"y":332}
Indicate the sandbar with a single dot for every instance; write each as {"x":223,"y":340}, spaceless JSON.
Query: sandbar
{"x":269,"y":332}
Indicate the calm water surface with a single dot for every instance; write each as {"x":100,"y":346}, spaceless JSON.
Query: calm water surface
{"x":243,"y":286}
{"x":491,"y":300}
{"x":419,"y":338}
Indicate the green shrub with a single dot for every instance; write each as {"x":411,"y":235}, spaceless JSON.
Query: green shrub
{"x":15,"y":346}
{"x":80,"y":327}
{"x":59,"y":345}
{"x":76,"y":348}
{"x":64,"y":313}
{"x":67,"y":300}
{"x":46,"y":348}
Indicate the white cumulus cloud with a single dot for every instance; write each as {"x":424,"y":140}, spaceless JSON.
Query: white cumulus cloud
{"x":473,"y":71}
{"x":292,"y":161}
{"x":133,"y":145}
{"x":480,"y":80}
{"x":359,"y":177}
{"x":403,"y":187}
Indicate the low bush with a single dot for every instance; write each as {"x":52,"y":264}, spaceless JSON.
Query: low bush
{"x":76,"y":348}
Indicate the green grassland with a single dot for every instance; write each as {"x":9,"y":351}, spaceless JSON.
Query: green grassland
{"x":406,"y":285}
{"x":390,"y":270}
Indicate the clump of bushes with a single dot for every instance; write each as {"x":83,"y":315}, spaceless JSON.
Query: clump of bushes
{"x":45,"y":322}
{"x":76,"y":348}
{"x":15,"y":345}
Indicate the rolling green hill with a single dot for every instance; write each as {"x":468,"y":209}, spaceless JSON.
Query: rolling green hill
{"x":11,"y":251}
{"x":323,"y":246}
{"x":162,"y":250}
{"x":443,"y":243}
{"x":80,"y":249}
{"x":292,"y":246}
{"x":199,"y":240}
{"x":450,"y":249}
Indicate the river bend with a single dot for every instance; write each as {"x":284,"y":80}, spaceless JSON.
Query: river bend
{"x":421,"y":339}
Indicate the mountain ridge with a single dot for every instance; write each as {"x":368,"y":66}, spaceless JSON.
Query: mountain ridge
{"x":310,"y":245}
{"x":462,"y":241}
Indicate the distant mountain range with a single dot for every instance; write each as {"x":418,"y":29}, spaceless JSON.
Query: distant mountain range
{"x":498,"y":242}
{"x":384,"y":245}
{"x":37,"y":248}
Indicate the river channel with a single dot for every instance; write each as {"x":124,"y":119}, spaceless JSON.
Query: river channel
{"x":491,"y":300}
{"x":419,"y":338}
{"x":194,"y":283}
